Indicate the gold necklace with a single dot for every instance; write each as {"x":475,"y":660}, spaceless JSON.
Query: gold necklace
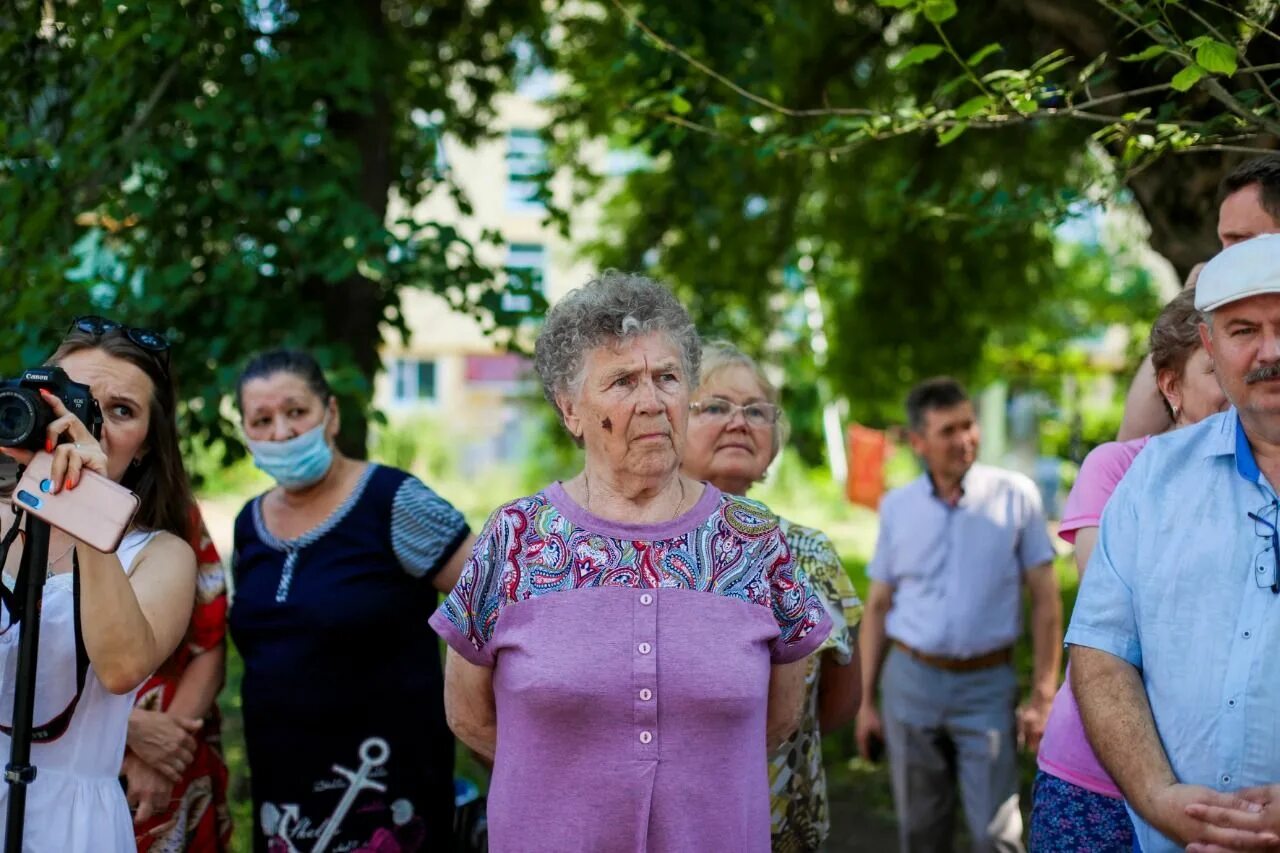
{"x":586,"y":485}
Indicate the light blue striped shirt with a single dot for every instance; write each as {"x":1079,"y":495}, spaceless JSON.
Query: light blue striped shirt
{"x":1179,"y":586}
{"x":956,"y":571}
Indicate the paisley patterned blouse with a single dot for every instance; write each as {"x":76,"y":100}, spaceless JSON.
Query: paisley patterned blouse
{"x":631,"y":671}
{"x":797,"y":780}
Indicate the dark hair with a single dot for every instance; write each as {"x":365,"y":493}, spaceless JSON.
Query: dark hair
{"x":1175,"y":336}
{"x":940,"y":392}
{"x":1263,"y":171}
{"x":159,"y":480}
{"x":299,"y":363}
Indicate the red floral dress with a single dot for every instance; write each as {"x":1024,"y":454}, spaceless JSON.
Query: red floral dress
{"x":200,"y":799}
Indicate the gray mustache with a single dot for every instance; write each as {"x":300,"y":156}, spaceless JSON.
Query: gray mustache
{"x":1262,"y":374}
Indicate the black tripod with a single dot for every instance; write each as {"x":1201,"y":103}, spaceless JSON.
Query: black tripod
{"x":19,"y":772}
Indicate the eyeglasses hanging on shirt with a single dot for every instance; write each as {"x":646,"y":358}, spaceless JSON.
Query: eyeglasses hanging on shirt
{"x":1266,"y":563}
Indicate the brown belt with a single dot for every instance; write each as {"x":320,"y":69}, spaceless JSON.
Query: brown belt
{"x":997,"y":658}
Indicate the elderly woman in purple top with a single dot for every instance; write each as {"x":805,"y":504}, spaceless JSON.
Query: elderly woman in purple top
{"x":628,"y":644}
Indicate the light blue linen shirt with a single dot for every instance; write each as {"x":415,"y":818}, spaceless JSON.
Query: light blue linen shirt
{"x":1179,"y":585}
{"x":956,"y":571}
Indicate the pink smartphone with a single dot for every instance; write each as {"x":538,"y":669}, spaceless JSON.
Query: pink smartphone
{"x":97,"y":511}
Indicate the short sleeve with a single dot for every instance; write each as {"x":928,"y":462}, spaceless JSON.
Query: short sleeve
{"x":880,"y":568}
{"x":803,"y":621}
{"x":1099,"y":475}
{"x":1034,"y":545}
{"x":817,"y":558}
{"x":425,"y":528}
{"x":467,"y":617}
{"x":1104,"y":617}
{"x":209,"y":617}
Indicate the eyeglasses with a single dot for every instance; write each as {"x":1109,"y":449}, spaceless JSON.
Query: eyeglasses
{"x":1266,"y":563}
{"x":720,"y":409}
{"x":146,"y":339}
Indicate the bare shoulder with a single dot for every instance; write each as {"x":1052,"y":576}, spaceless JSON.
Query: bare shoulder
{"x":167,"y":552}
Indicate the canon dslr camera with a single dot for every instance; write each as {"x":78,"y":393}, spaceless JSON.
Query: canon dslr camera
{"x":24,"y":415}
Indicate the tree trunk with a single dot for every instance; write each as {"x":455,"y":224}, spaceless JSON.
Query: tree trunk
{"x":1179,"y":198}
{"x":354,"y":309}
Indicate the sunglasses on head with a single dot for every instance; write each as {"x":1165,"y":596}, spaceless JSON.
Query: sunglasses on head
{"x":146,"y":339}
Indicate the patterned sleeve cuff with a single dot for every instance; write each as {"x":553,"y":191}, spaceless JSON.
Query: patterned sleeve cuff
{"x":783,"y":652}
{"x":455,"y":639}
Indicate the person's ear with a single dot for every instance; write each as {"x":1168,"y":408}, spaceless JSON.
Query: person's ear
{"x":571,"y":414}
{"x":335,"y":419}
{"x":917,"y":442}
{"x":1206,"y":338}
{"x":1170,"y":385}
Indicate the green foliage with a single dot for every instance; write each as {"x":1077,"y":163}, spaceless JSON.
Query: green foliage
{"x":828,"y":155}
{"x":1194,"y":44}
{"x":1214,"y":56}
{"x":1140,"y":82}
{"x":242,"y":176}
{"x":919,"y":54}
{"x":918,"y":259}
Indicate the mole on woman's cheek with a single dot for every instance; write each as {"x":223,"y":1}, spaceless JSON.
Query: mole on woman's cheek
{"x":607,"y":425}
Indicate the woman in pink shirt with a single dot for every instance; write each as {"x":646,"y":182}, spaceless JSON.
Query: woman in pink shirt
{"x":1076,"y":805}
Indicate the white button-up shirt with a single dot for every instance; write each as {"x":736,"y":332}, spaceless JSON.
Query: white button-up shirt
{"x":957,"y":570}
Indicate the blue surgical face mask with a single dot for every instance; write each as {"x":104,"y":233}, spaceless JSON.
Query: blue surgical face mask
{"x":298,"y":462}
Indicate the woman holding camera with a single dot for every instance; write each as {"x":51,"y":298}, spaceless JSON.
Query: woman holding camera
{"x":133,"y":606}
{"x":336,"y":571}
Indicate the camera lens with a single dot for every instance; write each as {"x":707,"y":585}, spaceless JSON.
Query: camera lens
{"x":17,"y":417}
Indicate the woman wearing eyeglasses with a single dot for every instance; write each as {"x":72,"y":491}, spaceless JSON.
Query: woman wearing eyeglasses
{"x":735,"y":431}
{"x":135,"y":604}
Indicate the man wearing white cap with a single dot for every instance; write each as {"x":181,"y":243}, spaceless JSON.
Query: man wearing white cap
{"x":1175,"y":633}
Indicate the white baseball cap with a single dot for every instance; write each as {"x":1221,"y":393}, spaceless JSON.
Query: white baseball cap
{"x":1246,"y":269}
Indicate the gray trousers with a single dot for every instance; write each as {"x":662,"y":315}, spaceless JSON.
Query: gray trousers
{"x":942,"y":727}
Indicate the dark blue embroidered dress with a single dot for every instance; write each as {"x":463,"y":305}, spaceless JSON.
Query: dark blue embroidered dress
{"x":343,"y":691}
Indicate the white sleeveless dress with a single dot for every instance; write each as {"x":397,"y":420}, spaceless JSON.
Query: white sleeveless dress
{"x":76,"y":803}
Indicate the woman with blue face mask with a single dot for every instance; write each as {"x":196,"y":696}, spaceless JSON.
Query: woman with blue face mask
{"x":336,"y":570}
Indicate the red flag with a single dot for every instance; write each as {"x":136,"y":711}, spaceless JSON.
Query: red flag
{"x":868,"y":449}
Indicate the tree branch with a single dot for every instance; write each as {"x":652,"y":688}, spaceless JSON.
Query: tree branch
{"x":725,"y":81}
{"x":149,"y":105}
{"x":90,"y":187}
{"x":1238,"y":149}
{"x":1219,"y":93}
{"x":968,"y":72}
{"x":1245,"y":19}
{"x":1262,"y":84}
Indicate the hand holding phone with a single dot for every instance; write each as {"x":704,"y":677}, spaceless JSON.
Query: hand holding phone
{"x":869,"y":733}
{"x":97,"y":511}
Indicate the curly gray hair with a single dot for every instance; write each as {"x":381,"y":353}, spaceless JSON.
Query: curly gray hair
{"x":609,"y":309}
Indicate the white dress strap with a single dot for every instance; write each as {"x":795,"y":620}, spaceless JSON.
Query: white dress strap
{"x":131,"y":546}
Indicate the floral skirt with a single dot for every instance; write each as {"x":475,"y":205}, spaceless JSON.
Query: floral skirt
{"x":1066,"y":818}
{"x":201,"y":821}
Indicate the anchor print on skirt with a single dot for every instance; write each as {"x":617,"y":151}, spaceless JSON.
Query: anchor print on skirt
{"x":289,"y":831}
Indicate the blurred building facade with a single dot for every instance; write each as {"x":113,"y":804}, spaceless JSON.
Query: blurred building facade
{"x":449,"y":375}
